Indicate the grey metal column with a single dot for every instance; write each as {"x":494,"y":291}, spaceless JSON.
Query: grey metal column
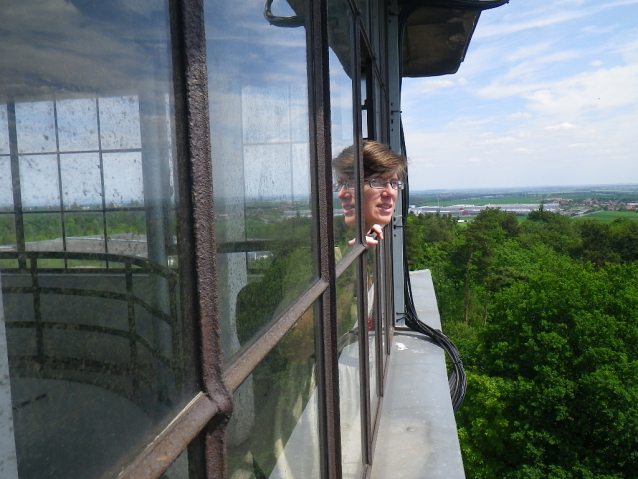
{"x":394,"y":93}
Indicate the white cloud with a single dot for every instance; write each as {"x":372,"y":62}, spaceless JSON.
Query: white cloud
{"x":546,"y":15}
{"x":562,"y":126}
{"x":492,"y":141}
{"x":518,"y":114}
{"x":596,"y":30}
{"x":573,"y":96}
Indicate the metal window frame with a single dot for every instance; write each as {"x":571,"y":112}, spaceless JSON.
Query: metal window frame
{"x":208,"y":413}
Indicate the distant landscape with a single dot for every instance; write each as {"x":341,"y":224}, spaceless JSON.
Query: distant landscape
{"x":599,"y":202}
{"x":544,"y":311}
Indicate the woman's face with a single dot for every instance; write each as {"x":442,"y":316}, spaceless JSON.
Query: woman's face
{"x":348,"y":202}
{"x":379,"y":203}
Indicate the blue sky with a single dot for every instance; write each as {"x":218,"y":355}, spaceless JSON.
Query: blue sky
{"x":547,"y":96}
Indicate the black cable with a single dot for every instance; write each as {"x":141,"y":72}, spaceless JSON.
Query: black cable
{"x":457,"y":380}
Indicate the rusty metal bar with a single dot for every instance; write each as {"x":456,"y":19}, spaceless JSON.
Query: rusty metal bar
{"x":169,"y":444}
{"x":259,"y":347}
{"x":351,"y":256}
{"x":195,"y":81}
{"x":202,"y":195}
{"x":326,"y":332}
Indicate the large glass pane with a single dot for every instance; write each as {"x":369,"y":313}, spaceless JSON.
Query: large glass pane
{"x":273,"y":431}
{"x":348,"y":330}
{"x":261,"y":170}
{"x":342,"y":114}
{"x":94,"y":355}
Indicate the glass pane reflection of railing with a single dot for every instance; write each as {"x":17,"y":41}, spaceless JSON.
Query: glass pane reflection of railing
{"x":342,"y":120}
{"x":84,"y":337}
{"x":274,"y":430}
{"x":349,"y":334}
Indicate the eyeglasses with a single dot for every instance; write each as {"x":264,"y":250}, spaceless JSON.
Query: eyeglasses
{"x":349,"y":185}
{"x":376,"y":183}
{"x":379,"y":184}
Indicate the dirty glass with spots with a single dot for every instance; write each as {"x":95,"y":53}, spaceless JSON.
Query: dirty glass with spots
{"x":259,"y":120}
{"x":93,"y":362}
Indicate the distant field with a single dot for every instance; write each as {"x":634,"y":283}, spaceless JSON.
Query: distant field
{"x":477,"y":201}
{"x":608,"y":216}
{"x":451,"y":197}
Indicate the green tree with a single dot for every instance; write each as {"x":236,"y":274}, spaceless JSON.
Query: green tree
{"x":560,"y":363}
{"x":472,"y":255}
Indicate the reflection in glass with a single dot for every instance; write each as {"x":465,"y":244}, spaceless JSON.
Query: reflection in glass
{"x":120,"y":122}
{"x":364,"y":107}
{"x":4,"y":130}
{"x":261,"y":164}
{"x":6,"y":187}
{"x":81,"y":182}
{"x":273,"y":431}
{"x":39,"y":182}
{"x":123,"y":179}
{"x":349,"y":373}
{"x":84,"y":232}
{"x":35,"y":125}
{"x":126,"y":233}
{"x":92,"y":344}
{"x":7,"y":233}
{"x":77,"y":124}
{"x":43,"y":232}
{"x":342,"y":114}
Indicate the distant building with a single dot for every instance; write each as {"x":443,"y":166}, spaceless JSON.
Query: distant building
{"x":471,"y":210}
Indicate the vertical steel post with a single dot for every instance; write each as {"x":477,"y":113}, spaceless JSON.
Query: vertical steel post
{"x":394,"y":94}
{"x":321,"y":151}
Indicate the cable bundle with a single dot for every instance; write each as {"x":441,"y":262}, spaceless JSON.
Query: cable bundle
{"x":456,"y":380}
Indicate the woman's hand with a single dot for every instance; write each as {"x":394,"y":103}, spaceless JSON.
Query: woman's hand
{"x":373,"y":236}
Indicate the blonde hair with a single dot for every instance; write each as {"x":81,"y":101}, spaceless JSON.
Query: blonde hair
{"x":377,"y":159}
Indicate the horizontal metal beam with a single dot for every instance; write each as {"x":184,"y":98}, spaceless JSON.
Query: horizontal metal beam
{"x":252,"y":354}
{"x":170,"y":443}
